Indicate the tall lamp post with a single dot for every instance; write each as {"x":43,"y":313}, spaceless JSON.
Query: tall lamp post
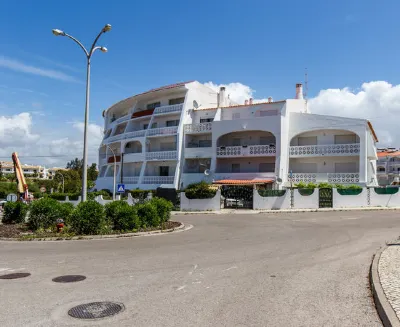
{"x":115,"y":169}
{"x":57,"y":172}
{"x":88,"y":54}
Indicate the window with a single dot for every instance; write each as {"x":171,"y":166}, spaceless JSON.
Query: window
{"x":264,"y":113}
{"x":206,"y":120}
{"x":345,"y":139}
{"x":381,"y":169}
{"x":308,"y":140}
{"x":235,"y":168}
{"x":237,"y":142}
{"x":266,"y":167}
{"x":154,"y":105}
{"x":204,"y":143}
{"x":171,"y":123}
{"x":168,"y":146}
{"x":236,"y":115}
{"x":164,"y":170}
{"x":145,"y":126}
{"x":176,"y":101}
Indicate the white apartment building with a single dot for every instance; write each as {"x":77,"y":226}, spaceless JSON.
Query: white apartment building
{"x":7,"y":167}
{"x":184,"y":133}
{"x":388,"y":166}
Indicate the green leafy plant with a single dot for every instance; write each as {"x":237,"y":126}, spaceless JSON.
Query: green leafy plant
{"x":163,"y":207}
{"x":122,"y":215}
{"x":66,"y":210}
{"x":45,"y":212}
{"x":325,"y":185}
{"x":148,"y":214}
{"x":271,"y":193}
{"x":14,"y":212}
{"x":200,"y":190}
{"x":88,"y":218}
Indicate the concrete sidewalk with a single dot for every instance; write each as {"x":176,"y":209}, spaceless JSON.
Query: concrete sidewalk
{"x":249,"y":211}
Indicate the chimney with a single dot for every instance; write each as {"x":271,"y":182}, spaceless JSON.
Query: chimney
{"x":251,"y":101}
{"x":270,"y":99}
{"x":222,"y":96}
{"x":299,"y":91}
{"x":246,"y":102}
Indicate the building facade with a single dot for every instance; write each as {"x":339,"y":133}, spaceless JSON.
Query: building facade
{"x":7,"y":167}
{"x":388,"y":166}
{"x":186,"y":132}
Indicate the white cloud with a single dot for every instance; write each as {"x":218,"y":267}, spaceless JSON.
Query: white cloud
{"x":237,"y":92}
{"x":378,"y":101}
{"x":16,"y":130}
{"x":24,"y":68}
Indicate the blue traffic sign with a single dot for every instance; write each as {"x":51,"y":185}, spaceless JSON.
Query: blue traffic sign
{"x":121,"y":188}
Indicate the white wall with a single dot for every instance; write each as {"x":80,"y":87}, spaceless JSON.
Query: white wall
{"x":213,"y":204}
{"x":350,"y":201}
{"x":323,"y":165}
{"x":152,"y":168}
{"x":306,"y":201}
{"x":271,"y":202}
{"x":384,"y":200}
{"x":247,"y":165}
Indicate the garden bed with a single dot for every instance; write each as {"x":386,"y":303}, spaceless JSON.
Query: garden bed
{"x":20,"y":232}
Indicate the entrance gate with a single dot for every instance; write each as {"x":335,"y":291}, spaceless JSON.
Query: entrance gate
{"x":325,"y":198}
{"x":237,"y":196}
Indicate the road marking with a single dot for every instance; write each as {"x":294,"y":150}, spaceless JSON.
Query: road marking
{"x":181,"y":288}
{"x":192,"y":271}
{"x":198,"y":282}
{"x":234,"y":267}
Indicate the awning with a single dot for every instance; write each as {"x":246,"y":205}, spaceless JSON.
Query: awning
{"x":243,"y":181}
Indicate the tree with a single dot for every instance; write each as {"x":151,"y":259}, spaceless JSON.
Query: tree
{"x":75,"y":164}
{"x":92,"y":172}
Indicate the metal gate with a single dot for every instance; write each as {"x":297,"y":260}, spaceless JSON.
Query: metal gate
{"x":325,"y":198}
{"x":237,"y":196}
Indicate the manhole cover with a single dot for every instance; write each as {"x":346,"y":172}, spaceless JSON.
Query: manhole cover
{"x":69,"y":278}
{"x":15,"y":276}
{"x":95,"y":310}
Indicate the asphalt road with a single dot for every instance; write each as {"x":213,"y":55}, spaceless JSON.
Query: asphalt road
{"x":303,"y":269}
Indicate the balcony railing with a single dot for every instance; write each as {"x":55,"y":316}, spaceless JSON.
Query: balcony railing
{"x":168,"y":109}
{"x":198,"y":128}
{"x":340,"y":178}
{"x":158,"y":179}
{"x":131,"y":180}
{"x":161,"y":155}
{"x":246,"y":151}
{"x":122,"y":119}
{"x":139,"y":133}
{"x":114,"y":138}
{"x":325,"y":150}
{"x":162,"y":131}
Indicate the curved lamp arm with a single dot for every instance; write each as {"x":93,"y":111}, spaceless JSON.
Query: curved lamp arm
{"x":79,"y":43}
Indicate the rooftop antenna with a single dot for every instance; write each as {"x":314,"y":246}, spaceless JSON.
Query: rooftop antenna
{"x":306,"y":89}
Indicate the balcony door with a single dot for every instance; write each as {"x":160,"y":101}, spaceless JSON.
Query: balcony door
{"x":307,"y":140}
{"x":164,"y":171}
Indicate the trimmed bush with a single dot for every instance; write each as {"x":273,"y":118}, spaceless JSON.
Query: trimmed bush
{"x":58,"y":196}
{"x":200,"y":190}
{"x":14,"y":212}
{"x":148,"y":214}
{"x":268,"y":193}
{"x":349,"y":191}
{"x":44,"y":213}
{"x":140,"y":194}
{"x":123,"y":216}
{"x":106,"y":195}
{"x":163,"y":207}
{"x":88,"y":218}
{"x":66,"y":210}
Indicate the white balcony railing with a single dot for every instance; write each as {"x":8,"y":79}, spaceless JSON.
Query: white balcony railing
{"x":198,"y":128}
{"x":339,"y":178}
{"x":325,"y":150}
{"x":168,"y":109}
{"x":158,"y":179}
{"x":114,"y":138}
{"x":131,"y":180}
{"x":139,"y":133}
{"x":161,"y":155}
{"x":162,"y":131}
{"x":246,"y":151}
{"x":122,"y":119}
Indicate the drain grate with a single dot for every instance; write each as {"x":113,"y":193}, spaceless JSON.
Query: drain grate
{"x":69,"y":278}
{"x":95,"y":310}
{"x":15,"y":276}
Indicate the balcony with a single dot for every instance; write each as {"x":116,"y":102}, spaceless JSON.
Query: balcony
{"x":168,"y":109}
{"x":158,"y":179}
{"x":198,"y":128}
{"x":131,"y":180}
{"x":198,"y":152}
{"x":339,"y":178}
{"x":114,"y":138}
{"x":162,"y":131}
{"x":133,"y":157}
{"x":139,"y":133}
{"x":246,"y":151}
{"x":161,"y":155}
{"x":324,"y":150}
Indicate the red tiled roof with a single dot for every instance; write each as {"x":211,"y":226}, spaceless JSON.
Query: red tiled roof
{"x":389,"y":154}
{"x":243,"y":181}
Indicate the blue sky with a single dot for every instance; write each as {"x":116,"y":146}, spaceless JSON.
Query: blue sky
{"x":265,"y":45}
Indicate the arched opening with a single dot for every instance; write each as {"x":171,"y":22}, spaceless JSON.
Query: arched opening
{"x":133,"y":147}
{"x":325,"y":137}
{"x":246,"y":138}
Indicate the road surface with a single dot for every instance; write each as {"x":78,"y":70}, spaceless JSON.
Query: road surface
{"x":300,"y":269}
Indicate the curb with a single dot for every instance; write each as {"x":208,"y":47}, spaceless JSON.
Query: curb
{"x":385,"y":310}
{"x":180,"y":228}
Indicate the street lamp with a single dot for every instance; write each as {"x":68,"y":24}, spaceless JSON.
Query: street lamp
{"x":88,"y":54}
{"x":57,"y":172}
{"x":115,"y":170}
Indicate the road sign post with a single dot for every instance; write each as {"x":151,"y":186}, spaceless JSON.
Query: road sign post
{"x":121,"y":188}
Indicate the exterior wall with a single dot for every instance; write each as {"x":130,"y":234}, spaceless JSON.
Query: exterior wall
{"x":213,"y":204}
{"x":152,"y":168}
{"x":323,"y":165}
{"x":384,"y":200}
{"x":350,"y":201}
{"x":305,"y":201}
{"x":247,"y":165}
{"x":324,"y":137}
{"x":271,"y":202}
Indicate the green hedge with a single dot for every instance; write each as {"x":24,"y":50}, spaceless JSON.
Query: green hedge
{"x":270,"y":193}
{"x":349,"y":191}
{"x":123,"y":216}
{"x":89,"y":218}
{"x":14,"y":212}
{"x":387,"y":190}
{"x":200,"y":190}
{"x":141,"y":194}
{"x":306,"y":191}
{"x":45,"y":212}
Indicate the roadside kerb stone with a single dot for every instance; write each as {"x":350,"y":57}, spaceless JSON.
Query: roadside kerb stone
{"x":385,"y":286}
{"x":180,"y":228}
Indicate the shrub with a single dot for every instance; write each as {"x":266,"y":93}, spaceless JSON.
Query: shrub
{"x":44,"y":213}
{"x":105,"y":193}
{"x":200,"y":190}
{"x":141,"y":194}
{"x":148,"y":214}
{"x":88,"y":218}
{"x":325,"y":185}
{"x":301,"y":185}
{"x":66,"y":210}
{"x":163,"y":207}
{"x":58,"y":196}
{"x":14,"y":212}
{"x":267,"y":193}
{"x":123,"y":216}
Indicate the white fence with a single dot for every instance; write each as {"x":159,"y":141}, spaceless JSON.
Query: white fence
{"x":213,"y":204}
{"x":271,"y":202}
{"x":305,"y":201}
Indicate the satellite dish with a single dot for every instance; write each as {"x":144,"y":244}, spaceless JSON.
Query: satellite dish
{"x":195,"y":104}
{"x":207,"y":172}
{"x":279,"y":180}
